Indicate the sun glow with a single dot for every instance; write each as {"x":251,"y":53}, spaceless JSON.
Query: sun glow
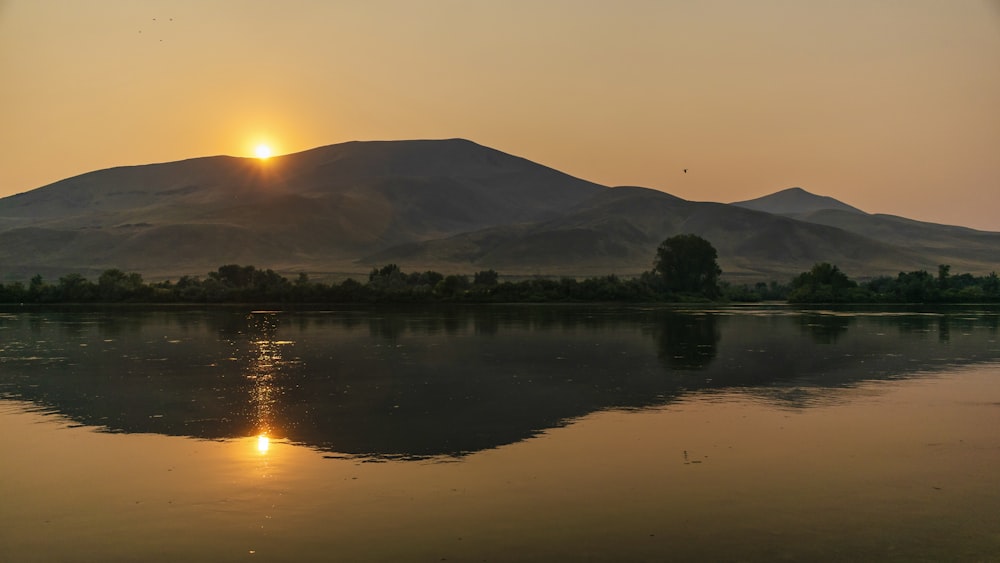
{"x":263,"y":443}
{"x":263,"y":152}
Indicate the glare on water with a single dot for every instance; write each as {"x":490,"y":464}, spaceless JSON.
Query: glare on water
{"x":867,"y":439}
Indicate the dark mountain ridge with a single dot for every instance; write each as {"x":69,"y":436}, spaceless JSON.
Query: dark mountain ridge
{"x":450,"y":205}
{"x":318,"y":209}
{"x":619,"y":231}
{"x":969,"y":249}
{"x":794,"y":201}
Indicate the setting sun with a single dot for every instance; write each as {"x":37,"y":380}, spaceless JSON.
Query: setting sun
{"x":262,"y":151}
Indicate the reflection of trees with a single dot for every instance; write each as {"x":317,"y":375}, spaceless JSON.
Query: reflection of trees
{"x":685,"y":341}
{"x":392,"y":324}
{"x":387,"y":327}
{"x":825,"y":329}
{"x":944,"y":329}
{"x":911,"y":324}
{"x":224,"y":373}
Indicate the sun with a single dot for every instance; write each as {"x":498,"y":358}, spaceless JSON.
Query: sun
{"x":263,"y":152}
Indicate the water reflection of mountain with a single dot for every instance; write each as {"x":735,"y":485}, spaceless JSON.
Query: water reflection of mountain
{"x":418,"y":382}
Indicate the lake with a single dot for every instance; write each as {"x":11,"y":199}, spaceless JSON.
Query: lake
{"x":500,"y":433}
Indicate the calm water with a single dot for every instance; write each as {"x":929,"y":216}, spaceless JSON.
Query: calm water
{"x":501,"y":433}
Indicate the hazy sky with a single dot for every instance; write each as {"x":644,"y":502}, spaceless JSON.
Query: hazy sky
{"x":892,"y":106}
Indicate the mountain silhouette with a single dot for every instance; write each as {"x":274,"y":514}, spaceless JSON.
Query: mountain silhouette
{"x":795,"y":201}
{"x":968,"y":248}
{"x":449,"y":205}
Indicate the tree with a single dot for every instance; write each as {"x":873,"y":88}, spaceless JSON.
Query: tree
{"x":944,"y":271}
{"x":234,"y":275}
{"x":917,"y":287}
{"x":387,"y":278}
{"x":488,"y":278}
{"x":452,"y":286}
{"x":74,"y":288}
{"x":687,"y":264}
{"x":824,"y":283}
{"x":13,"y":293}
{"x":116,"y":285}
{"x":37,"y":288}
{"x":991,"y":285}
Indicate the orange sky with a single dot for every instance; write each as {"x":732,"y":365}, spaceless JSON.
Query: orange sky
{"x":891,"y":106}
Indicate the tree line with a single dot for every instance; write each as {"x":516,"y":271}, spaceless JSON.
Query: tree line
{"x":247,"y":284}
{"x":826,"y":283}
{"x":685,"y":269}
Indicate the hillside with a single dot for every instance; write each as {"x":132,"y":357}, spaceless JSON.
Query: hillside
{"x":319,"y":209}
{"x":793,"y":202}
{"x":448,"y":205}
{"x":963,"y":248}
{"x":619,"y":230}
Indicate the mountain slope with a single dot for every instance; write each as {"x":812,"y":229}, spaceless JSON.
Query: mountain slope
{"x":448,"y":205}
{"x":793,"y":201}
{"x":619,"y":230}
{"x":963,"y":248}
{"x":321,"y":208}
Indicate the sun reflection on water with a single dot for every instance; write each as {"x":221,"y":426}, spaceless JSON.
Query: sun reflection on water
{"x":263,"y":373}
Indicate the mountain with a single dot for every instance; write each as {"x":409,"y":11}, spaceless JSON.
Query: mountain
{"x":619,"y":230}
{"x":447,"y":205}
{"x":318,"y":209}
{"x":794,"y":201}
{"x":964,"y":248}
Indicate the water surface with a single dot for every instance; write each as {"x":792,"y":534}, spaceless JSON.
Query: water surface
{"x":499,"y":434}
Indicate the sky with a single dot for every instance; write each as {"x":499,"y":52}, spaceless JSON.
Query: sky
{"x":892,"y":106}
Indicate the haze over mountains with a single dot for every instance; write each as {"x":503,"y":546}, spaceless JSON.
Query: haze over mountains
{"x":449,"y":205}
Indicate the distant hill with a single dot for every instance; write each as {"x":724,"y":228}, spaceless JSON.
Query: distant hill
{"x":447,"y":205}
{"x":620,"y":229}
{"x":794,"y":201}
{"x":964,"y":248}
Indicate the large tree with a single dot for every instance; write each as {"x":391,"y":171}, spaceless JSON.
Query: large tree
{"x":824,"y":283}
{"x":687,"y":264}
